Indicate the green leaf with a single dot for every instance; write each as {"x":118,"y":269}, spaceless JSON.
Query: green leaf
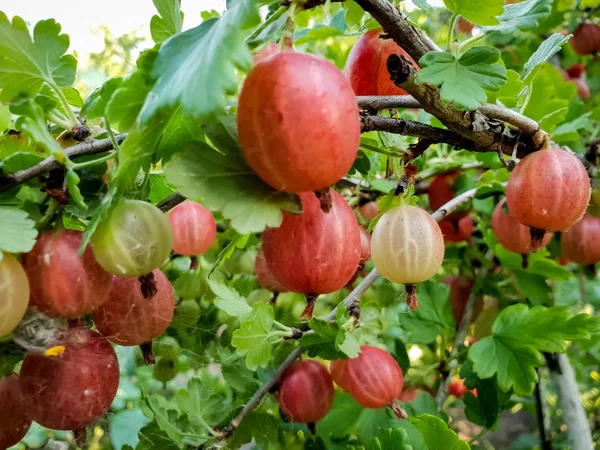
{"x":545,"y":51}
{"x":127,"y":101}
{"x":151,"y":437}
{"x":318,"y":33}
{"x":228,"y":300}
{"x":434,"y":316}
{"x":253,"y":337}
{"x":508,"y":93}
{"x":484,"y":409}
{"x":95,"y":105}
{"x":166,"y":417}
{"x":423,"y":5}
{"x":197,"y":68}
{"x":322,"y":342}
{"x":202,"y":404}
{"x":264,"y":428}
{"x":235,"y":372}
{"x":169,"y":22}
{"x":124,"y":427}
{"x":569,"y":132}
{"x":534,"y":288}
{"x":10,"y":355}
{"x":401,"y":355}
{"x":26,"y":63}
{"x":463,"y":80}
{"x":437,"y":434}
{"x":5,"y":117}
{"x":391,"y":439}
{"x":224,"y":182}
{"x":18,"y":231}
{"x":519,"y":334}
{"x":480,"y":13}
{"x":522,"y":16}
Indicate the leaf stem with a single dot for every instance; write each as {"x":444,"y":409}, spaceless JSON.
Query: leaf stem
{"x":466,"y":45}
{"x":61,"y":122}
{"x":65,"y":104}
{"x":276,"y":15}
{"x":453,"y":21}
{"x":93,"y":162}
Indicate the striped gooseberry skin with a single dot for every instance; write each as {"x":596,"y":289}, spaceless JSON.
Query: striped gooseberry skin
{"x":586,"y":39}
{"x":264,"y":276}
{"x":72,"y":389}
{"x":365,"y":246}
{"x":133,"y":240}
{"x":366,"y":67}
{"x":127,"y":318}
{"x":62,"y":283}
{"x":14,"y":287}
{"x":548,"y":190}
{"x":337,"y":369}
{"x":306,"y":392}
{"x":407,"y":245}
{"x":452,"y":234}
{"x":298,"y":122}
{"x":581,"y":242}
{"x":374,"y":379}
{"x":440,"y":192}
{"x":511,"y":234}
{"x":194,"y":228}
{"x":15,"y":419}
{"x":314,"y":252}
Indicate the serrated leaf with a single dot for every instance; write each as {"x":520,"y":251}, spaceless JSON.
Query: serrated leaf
{"x":261,"y":426}
{"x":26,"y":63}
{"x":437,"y":434}
{"x":463,"y":80}
{"x":519,"y":334}
{"x":545,"y":51}
{"x":166,"y":418}
{"x":392,"y":439}
{"x":422,"y":4}
{"x":509,"y":92}
{"x":480,"y":13}
{"x":168,"y":23}
{"x":124,"y":427}
{"x":225,"y":183}
{"x":94,"y":106}
{"x":197,"y":68}
{"x":523,"y":16}
{"x":127,"y":101}
{"x":202,"y":404}
{"x":253,"y":337}
{"x":434,"y":316}
{"x":229,"y":300}
{"x":151,"y":437}
{"x":18,"y":231}
{"x":322,"y":342}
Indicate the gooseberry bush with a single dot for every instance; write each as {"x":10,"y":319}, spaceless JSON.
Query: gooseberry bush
{"x":305,"y":224}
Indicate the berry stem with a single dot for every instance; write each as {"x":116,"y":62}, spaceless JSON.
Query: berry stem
{"x":398,"y":411}
{"x":324,"y":196}
{"x":411,"y":297}
{"x":148,"y":286}
{"x":537,"y":236}
{"x":525,"y":260}
{"x":149,"y":358}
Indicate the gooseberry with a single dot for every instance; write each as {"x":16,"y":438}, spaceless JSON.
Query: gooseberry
{"x":62,"y":283}
{"x":166,"y":347}
{"x":374,"y":379}
{"x":365,"y":246}
{"x":14,"y":287}
{"x":15,"y":419}
{"x":441,"y":190}
{"x":369,"y":211}
{"x":314,"y":252}
{"x":460,"y":291}
{"x":264,"y":276}
{"x":586,"y":39}
{"x":128,"y":318}
{"x":458,"y":389}
{"x":581,"y":242}
{"x":456,"y":231}
{"x":187,"y":314}
{"x":74,"y":385}
{"x":337,"y":369}
{"x":511,"y":234}
{"x":549,"y":190}
{"x":135,"y":239}
{"x":464,"y":26}
{"x":298,"y":122}
{"x":270,"y":50}
{"x":165,"y":370}
{"x":407,"y":247}
{"x":576,"y":70}
{"x":306,"y":392}
{"x":366,"y":67}
{"x":194,"y":228}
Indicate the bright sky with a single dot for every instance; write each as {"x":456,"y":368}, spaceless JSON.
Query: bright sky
{"x":79,"y":18}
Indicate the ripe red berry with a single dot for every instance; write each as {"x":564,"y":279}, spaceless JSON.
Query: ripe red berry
{"x":62,"y":283}
{"x":15,"y":418}
{"x":70,"y":390}
{"x":374,"y":379}
{"x":366,"y":67}
{"x":464,"y":26}
{"x":458,"y":389}
{"x":365,"y":246}
{"x":460,"y":291}
{"x":128,"y":318}
{"x":581,"y":242}
{"x":337,"y":369}
{"x":511,"y":234}
{"x":298,"y":122}
{"x":314,"y":252}
{"x":456,"y":231}
{"x":306,"y":392}
{"x":14,"y":287}
{"x":583,"y":90}
{"x":194,"y":228}
{"x":549,"y":190}
{"x":576,"y":70}
{"x":265,"y":277}
{"x":369,"y":211}
{"x":407,"y":247}
{"x":586,"y":39}
{"x":408,"y":395}
{"x":441,"y":190}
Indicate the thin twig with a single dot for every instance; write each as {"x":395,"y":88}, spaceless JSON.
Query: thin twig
{"x":9,"y":180}
{"x":545,"y":438}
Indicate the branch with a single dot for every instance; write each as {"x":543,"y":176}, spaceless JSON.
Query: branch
{"x":567,"y":391}
{"x":378,"y":102}
{"x":9,"y":180}
{"x":170,"y":202}
{"x":540,"y":406}
{"x":350,"y":301}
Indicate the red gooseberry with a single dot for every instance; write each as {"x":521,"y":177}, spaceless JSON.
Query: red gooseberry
{"x":264,"y":276}
{"x":548,"y":190}
{"x":73,"y":384}
{"x":194,"y":228}
{"x":15,"y":419}
{"x":586,"y":39}
{"x":306,"y":392}
{"x":314,"y":252}
{"x":460,"y":291}
{"x":337,"y":369}
{"x":581,"y":242}
{"x":366,"y":67}
{"x":62,"y":283}
{"x":369,"y":211}
{"x":298,"y":122}
{"x":441,"y":190}
{"x":458,"y":389}
{"x":270,"y":50}
{"x":456,"y":231}
{"x":464,"y":26}
{"x":365,"y":246}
